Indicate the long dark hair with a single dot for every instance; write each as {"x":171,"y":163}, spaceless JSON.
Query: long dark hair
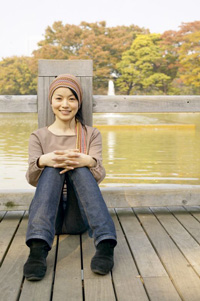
{"x":79,"y":114}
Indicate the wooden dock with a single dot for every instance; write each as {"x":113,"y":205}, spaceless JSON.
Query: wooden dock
{"x":157,"y":258}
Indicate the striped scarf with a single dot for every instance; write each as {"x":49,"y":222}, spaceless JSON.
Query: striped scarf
{"x":81,"y":138}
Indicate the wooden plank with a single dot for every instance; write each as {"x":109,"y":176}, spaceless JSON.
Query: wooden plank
{"x":195,"y":211}
{"x":11,"y":272}
{"x":110,"y":104}
{"x":96,"y":287}
{"x":2,"y":214}
{"x":86,"y":84}
{"x":7,"y":229}
{"x":127,"y":280}
{"x":45,"y":113}
{"x":40,"y":93}
{"x":182,"y":274}
{"x":120,"y":197}
{"x":190,"y":222}
{"x":142,"y":104}
{"x":18,"y":103}
{"x":114,"y":197}
{"x":15,"y":199}
{"x":68,"y":285}
{"x":40,"y":290}
{"x":157,"y":289}
{"x":75,"y":67}
{"x":156,"y":280}
{"x":147,"y":261}
{"x":188,"y":246}
{"x":162,"y":195}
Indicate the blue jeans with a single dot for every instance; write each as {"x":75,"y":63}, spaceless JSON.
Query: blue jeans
{"x":83,"y":210}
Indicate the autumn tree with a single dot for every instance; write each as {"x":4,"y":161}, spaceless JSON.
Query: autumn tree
{"x":104,"y":45}
{"x":140,"y":70}
{"x":181,"y":49}
{"x":18,"y":75}
{"x":189,"y":55}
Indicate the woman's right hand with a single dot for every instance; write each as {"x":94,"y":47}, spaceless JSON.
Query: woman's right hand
{"x":46,"y":160}
{"x":50,"y":159}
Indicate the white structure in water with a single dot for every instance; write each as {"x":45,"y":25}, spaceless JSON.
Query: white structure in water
{"x":111,"y":87}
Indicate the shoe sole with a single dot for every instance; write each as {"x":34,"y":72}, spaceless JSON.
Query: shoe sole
{"x":100,"y":272}
{"x":34,"y":278}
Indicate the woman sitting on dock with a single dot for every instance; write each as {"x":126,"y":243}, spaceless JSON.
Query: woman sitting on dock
{"x":65,"y":165}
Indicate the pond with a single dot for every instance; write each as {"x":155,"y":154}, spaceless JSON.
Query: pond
{"x":137,"y":148}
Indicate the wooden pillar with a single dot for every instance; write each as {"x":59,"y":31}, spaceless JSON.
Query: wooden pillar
{"x":48,"y":70}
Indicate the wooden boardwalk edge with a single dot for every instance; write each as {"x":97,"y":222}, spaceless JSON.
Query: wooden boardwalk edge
{"x":118,"y":197}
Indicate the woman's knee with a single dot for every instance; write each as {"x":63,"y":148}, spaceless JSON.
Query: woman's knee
{"x":82,"y":171}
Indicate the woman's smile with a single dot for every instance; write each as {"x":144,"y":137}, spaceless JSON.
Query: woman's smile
{"x":64,"y":104}
{"x":65,"y":112}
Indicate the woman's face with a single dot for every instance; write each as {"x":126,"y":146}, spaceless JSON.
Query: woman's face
{"x":64,"y":104}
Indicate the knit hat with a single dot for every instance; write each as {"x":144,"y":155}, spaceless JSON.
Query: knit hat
{"x":66,"y":81}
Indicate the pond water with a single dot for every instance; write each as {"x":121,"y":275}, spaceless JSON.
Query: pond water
{"x":131,"y":155}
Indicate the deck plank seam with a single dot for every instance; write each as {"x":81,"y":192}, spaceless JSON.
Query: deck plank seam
{"x":180,"y":250}
{"x":20,"y":289}
{"x":113,"y":285}
{"x":11,"y":240}
{"x":54,"y":268}
{"x":2,"y":217}
{"x":192,"y":213}
{"x":198,"y":242}
{"x":133,"y":257}
{"x":82,"y":268}
{"x":157,"y":253}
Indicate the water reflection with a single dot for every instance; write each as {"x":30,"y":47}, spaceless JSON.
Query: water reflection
{"x":131,"y":156}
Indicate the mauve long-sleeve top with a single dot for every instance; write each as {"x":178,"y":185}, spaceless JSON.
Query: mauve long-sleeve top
{"x":42,"y":141}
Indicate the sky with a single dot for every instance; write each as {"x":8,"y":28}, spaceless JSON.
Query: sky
{"x":23,"y":22}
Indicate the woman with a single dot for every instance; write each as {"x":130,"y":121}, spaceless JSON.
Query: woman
{"x":65,"y":164}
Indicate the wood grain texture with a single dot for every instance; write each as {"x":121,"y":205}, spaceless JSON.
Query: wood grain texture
{"x":156,"y":280}
{"x":182,"y":274}
{"x":18,"y":103}
{"x":127,"y":279}
{"x":56,"y":67}
{"x":186,"y":243}
{"x":189,"y":222}
{"x":8,"y":228}
{"x":119,"y":197}
{"x":108,"y":104}
{"x":86,"y":84}
{"x":11,"y":272}
{"x":139,"y":104}
{"x":68,"y":283}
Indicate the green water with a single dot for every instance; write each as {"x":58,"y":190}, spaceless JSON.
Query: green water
{"x":130,"y":156}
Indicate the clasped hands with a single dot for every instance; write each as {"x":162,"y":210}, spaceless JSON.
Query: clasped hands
{"x":66,"y":159}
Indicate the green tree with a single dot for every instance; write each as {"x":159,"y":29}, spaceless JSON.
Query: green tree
{"x":18,"y":76}
{"x":140,"y":70}
{"x":104,"y":45}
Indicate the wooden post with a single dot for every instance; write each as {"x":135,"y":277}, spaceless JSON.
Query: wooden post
{"x":48,"y":70}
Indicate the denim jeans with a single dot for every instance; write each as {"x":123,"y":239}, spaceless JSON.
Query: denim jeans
{"x":83,"y":210}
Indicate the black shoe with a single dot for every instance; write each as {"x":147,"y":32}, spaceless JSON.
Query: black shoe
{"x":103,"y":262}
{"x":36,"y":266}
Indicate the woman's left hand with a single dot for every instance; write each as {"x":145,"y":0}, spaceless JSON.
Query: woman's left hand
{"x":70,"y":161}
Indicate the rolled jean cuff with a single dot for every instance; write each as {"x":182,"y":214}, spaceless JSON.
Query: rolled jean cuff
{"x":104,"y":237}
{"x":37,"y":236}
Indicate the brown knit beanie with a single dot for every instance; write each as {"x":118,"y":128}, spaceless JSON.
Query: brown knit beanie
{"x":66,"y":81}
